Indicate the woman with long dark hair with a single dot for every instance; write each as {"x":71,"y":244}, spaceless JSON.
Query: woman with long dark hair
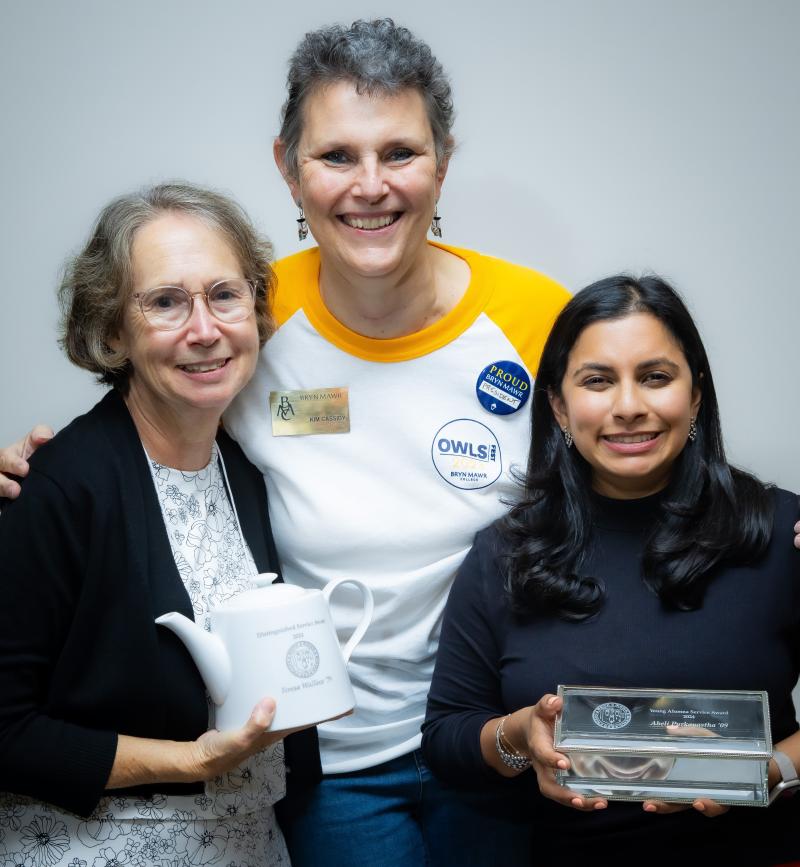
{"x":636,"y":557}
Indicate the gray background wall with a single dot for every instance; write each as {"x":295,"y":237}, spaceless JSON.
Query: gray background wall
{"x":595,"y":136}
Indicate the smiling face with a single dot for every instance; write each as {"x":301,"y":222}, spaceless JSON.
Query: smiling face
{"x":201,"y":366}
{"x":627,"y":398}
{"x":367,"y":178}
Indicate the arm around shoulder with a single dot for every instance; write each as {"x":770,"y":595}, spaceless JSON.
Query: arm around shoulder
{"x":14,"y":460}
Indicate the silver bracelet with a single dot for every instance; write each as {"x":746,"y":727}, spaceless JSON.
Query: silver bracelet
{"x":515,"y":760}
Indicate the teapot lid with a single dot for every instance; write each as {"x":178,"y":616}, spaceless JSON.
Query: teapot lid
{"x":265,"y":595}
{"x":265,"y":579}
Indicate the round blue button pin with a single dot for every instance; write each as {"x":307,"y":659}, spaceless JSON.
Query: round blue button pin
{"x":503,"y":387}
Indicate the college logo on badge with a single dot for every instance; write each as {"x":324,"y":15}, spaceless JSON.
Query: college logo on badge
{"x":611,"y":715}
{"x":466,"y":454}
{"x":302,"y":659}
{"x":315,"y":411}
{"x":503,"y":387}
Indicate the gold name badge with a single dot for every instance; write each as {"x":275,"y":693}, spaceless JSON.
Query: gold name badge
{"x":317,"y":411}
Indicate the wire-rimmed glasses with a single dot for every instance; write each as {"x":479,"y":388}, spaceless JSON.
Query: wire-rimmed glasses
{"x":169,"y":307}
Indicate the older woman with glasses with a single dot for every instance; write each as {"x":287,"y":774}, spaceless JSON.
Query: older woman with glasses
{"x":140,"y":507}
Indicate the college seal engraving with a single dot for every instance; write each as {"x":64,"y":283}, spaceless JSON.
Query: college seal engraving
{"x":302,"y":659}
{"x":611,"y":715}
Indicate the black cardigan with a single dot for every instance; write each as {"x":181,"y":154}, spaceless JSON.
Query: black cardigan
{"x":86,"y":568}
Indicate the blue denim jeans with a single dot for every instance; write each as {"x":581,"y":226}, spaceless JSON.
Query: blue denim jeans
{"x":399,"y":815}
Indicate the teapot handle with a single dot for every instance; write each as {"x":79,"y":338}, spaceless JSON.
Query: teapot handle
{"x":366,"y":617}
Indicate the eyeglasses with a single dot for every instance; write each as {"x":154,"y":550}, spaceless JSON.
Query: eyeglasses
{"x":169,"y":307}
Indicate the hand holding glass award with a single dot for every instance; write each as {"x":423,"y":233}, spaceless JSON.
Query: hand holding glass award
{"x":667,"y":744}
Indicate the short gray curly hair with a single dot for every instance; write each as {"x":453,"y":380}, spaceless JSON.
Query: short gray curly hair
{"x":378,"y":57}
{"x":97,"y":282}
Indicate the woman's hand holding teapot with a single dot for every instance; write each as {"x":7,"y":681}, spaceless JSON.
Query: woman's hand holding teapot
{"x":142,"y":761}
{"x":216,"y":752}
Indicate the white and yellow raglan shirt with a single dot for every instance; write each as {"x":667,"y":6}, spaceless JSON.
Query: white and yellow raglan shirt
{"x":382,"y":459}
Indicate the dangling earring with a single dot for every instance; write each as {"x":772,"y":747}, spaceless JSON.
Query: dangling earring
{"x":436,"y":227}
{"x":302,"y":225}
{"x":567,"y":436}
{"x":692,"y":429}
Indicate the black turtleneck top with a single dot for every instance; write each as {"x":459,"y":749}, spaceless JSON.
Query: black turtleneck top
{"x":745,"y":636}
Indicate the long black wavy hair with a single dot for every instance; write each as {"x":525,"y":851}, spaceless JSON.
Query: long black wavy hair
{"x":712,"y":513}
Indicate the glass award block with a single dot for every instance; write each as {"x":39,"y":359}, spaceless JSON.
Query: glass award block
{"x":669,"y":744}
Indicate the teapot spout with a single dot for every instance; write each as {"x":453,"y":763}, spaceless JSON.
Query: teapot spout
{"x":207,"y":651}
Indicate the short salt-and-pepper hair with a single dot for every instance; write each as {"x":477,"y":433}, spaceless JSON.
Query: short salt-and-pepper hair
{"x":378,"y":57}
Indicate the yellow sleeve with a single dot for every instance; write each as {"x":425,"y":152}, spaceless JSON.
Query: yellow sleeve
{"x":524,"y":305}
{"x":296,"y":276}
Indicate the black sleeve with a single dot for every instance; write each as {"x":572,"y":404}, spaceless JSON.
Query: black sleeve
{"x":44,"y":553}
{"x":465,"y":691}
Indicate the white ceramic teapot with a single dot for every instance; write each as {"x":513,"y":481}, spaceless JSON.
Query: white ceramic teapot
{"x":277,"y":640}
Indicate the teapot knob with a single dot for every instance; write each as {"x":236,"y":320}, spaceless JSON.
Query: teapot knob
{"x":265,"y":579}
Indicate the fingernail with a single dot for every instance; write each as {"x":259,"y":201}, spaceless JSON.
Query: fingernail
{"x":599,"y":806}
{"x":263,"y":711}
{"x":699,"y":805}
{"x":552,"y":700}
{"x":576,"y":802}
{"x":563,"y":764}
{"x":649,"y":808}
